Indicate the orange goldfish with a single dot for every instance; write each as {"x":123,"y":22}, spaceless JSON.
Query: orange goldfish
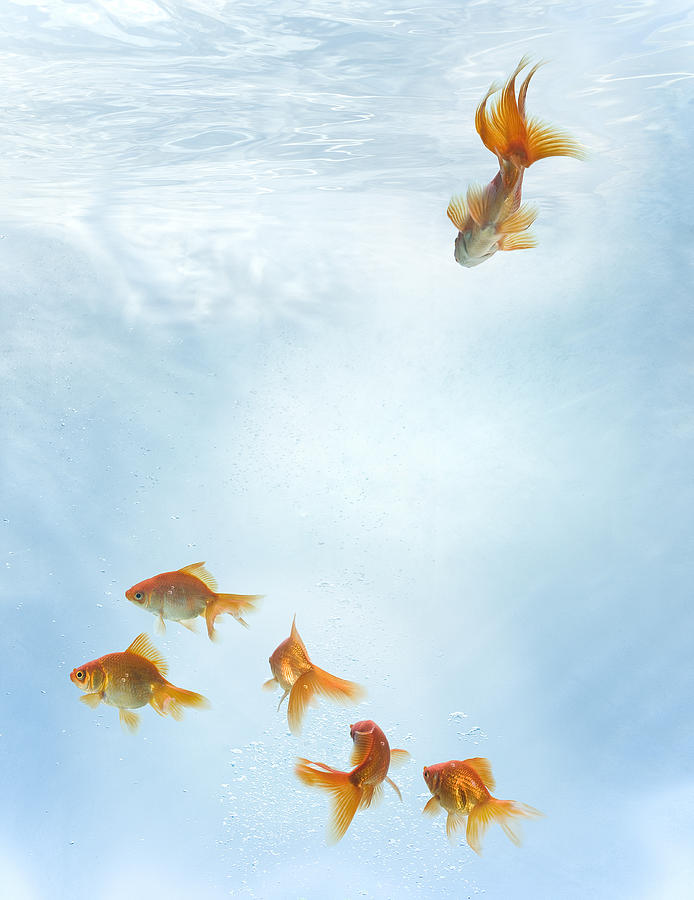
{"x":358,"y":789}
{"x":132,"y":679}
{"x":302,"y":680}
{"x":461,"y":787}
{"x":184,"y":595}
{"x":492,"y":218}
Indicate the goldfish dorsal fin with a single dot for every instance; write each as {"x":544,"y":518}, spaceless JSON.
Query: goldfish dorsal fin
{"x":484,"y":769}
{"x":478,"y":204}
{"x":457,"y":212}
{"x":294,"y":633}
{"x":142,"y":647}
{"x":362,"y":745}
{"x":198,"y":570}
{"x":521,"y":219}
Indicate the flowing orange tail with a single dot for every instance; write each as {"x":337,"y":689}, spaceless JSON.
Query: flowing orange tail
{"x":501,"y":811}
{"x":318,"y":682}
{"x":167,"y":699}
{"x":345,"y":794}
{"x":234,"y":604}
{"x":517,"y":141}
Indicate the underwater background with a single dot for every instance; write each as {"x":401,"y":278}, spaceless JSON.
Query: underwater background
{"x":233,"y":331}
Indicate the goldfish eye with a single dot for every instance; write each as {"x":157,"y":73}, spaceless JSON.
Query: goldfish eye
{"x":79,"y":675}
{"x":138,"y":595}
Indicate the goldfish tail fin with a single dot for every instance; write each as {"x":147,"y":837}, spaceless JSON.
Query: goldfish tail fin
{"x":517,"y":141}
{"x":318,"y":682}
{"x":502,"y":811}
{"x":346,"y":795}
{"x":167,"y":699}
{"x":235,"y":604}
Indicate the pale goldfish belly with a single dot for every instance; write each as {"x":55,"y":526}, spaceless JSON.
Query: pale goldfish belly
{"x":127,"y":692}
{"x":177,"y":604}
{"x":474,"y":246}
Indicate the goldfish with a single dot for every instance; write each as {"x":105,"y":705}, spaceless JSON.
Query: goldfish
{"x":462,"y":787}
{"x":184,"y":595}
{"x":303,"y":681}
{"x":132,"y":679}
{"x":492,"y":218}
{"x":363,"y":785}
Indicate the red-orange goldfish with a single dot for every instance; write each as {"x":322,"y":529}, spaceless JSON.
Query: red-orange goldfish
{"x":190,"y":592}
{"x":462,"y":787}
{"x":363,"y":785}
{"x":132,"y":679}
{"x":303,"y":681}
{"x":492,"y":218}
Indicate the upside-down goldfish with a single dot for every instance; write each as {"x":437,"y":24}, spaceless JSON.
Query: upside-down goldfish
{"x":462,"y":788}
{"x":299,"y":678}
{"x":189,"y":592}
{"x":492,"y":218}
{"x":363,"y":785}
{"x":132,"y":679}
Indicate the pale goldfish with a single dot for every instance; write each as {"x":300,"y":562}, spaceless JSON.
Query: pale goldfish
{"x":132,"y":679}
{"x":363,"y":785}
{"x":303,"y":681}
{"x":190,"y":592}
{"x":492,"y":218}
{"x":462,"y":788}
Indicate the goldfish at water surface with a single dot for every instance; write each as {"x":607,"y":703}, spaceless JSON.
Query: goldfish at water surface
{"x":363,"y":785}
{"x":303,"y":681}
{"x":132,"y":679}
{"x":190,"y":592}
{"x":493,"y":218}
{"x":462,"y":788}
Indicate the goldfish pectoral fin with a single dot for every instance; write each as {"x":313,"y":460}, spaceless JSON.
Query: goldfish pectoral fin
{"x":282,"y":698}
{"x":91,"y":700}
{"x":161,"y":625}
{"x":454,"y":822}
{"x":520,"y":220}
{"x":399,"y":758}
{"x":270,"y":684}
{"x":432,"y":808}
{"x":395,"y":787}
{"x":129,"y":720}
{"x":524,"y":241}
{"x":457,"y":212}
{"x":478,"y":199}
{"x":190,"y":624}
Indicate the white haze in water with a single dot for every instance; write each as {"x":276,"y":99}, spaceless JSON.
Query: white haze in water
{"x":233,"y":331}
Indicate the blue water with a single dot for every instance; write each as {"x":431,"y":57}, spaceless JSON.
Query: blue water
{"x":233,"y":331}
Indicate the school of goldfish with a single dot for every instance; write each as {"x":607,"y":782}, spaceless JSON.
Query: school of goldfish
{"x":488,"y":219}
